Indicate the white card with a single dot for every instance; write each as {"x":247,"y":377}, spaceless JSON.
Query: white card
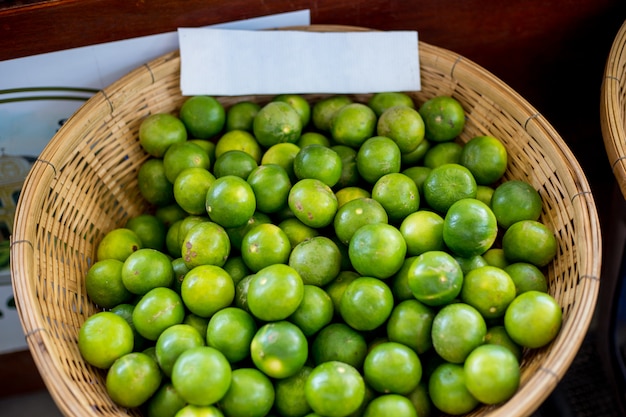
{"x":241,"y":62}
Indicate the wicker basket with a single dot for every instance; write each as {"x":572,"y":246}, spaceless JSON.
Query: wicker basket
{"x":613,"y":108}
{"x":84,"y":184}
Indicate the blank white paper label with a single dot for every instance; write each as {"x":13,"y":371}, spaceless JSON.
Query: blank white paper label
{"x":245,"y":62}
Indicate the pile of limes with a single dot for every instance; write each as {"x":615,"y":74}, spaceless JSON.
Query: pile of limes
{"x":330,"y":258}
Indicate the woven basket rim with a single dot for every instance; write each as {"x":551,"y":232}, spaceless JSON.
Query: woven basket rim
{"x":613,"y":108}
{"x":531,"y":394}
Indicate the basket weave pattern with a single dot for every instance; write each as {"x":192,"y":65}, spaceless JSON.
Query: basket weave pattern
{"x":613,"y":108}
{"x":84,"y":184}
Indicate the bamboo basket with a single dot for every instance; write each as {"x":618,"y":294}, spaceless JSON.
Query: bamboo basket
{"x":613,"y":108}
{"x":84,"y":184}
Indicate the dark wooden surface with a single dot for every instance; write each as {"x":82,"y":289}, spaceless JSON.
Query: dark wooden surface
{"x":552,"y":52}
{"x":18,"y":374}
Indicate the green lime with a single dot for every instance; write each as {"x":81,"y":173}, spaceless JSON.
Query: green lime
{"x":240,"y":116}
{"x":435,"y":278}
{"x":335,"y":389}
{"x":118,"y":244}
{"x":146,"y":269}
{"x":265,"y":245}
{"x":172,"y":342}
{"x":398,"y":194}
{"x":270,"y":184}
{"x":236,"y":268}
{"x":317,"y":260}
{"x":447,"y":184}
{"x":297,"y":231}
{"x":312,"y":138}
{"x":470,"y":263}
{"x":150,"y":229}
{"x":448,"y":391}
{"x":377,"y":250}
{"x":484,"y":193}
{"x":191,"y":410}
{"x":416,"y":156}
{"x":497,"y":335}
{"x":159,"y":131}
{"x":392,"y":367}
{"x":379,"y":102}
{"x":251,"y":393}
{"x":339,"y":342}
{"x":324,"y":110}
{"x":495,"y":257}
{"x":347,"y":194}
{"x":458,"y":329}
{"x":313,"y":202}
{"x":197,"y":322}
{"x":443,"y":153}
{"x":336,"y":287}
{"x":352,"y":124}
{"x":390,"y":404}
{"x":230,"y":330}
{"x":207,"y":145}
{"x":235,"y":162}
{"x":527,"y":277}
{"x":282,"y":154}
{"x":290,"y":398}
{"x":103,"y":338}
{"x":314,"y":312}
{"x":515,"y":200}
{"x":489,"y":289}
{"x":153,"y":184}
{"x":402,"y":124}
{"x":203,"y":116}
{"x":444,"y":118}
{"x":279,"y":349}
{"x":318,"y":162}
{"x":300,"y":105}
{"x":241,"y":293}
{"x":236,"y":234}
{"x":275,"y":292}
{"x":492,"y":374}
{"x":184,"y":155}
{"x":486,"y":157}
{"x":206,"y":289}
{"x":230,"y":201}
{"x":202,"y":375}
{"x":410,"y":323}
{"x":529,"y":241}
{"x":157,"y":310}
{"x":277,"y":122}
{"x":379,"y":155}
{"x":104,"y":284}
{"x":239,"y":140}
{"x":166,"y":402}
{"x":349,"y":172}
{"x":366,"y":303}
{"x":190,"y":188}
{"x":533,"y":319}
{"x":356,"y":213}
{"x":418,"y":174}
{"x":423,"y":232}
{"x":206,"y":243}
{"x":125,"y":310}
{"x":400,"y":281}
{"x":169,"y":214}
{"x":187,"y":224}
{"x":133,"y":379}
{"x":469,"y":227}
